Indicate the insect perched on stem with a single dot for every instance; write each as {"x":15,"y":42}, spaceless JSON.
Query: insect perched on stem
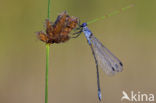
{"x":103,"y":57}
{"x":58,"y":32}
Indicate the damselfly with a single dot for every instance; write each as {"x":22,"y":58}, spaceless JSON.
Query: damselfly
{"x":109,"y":63}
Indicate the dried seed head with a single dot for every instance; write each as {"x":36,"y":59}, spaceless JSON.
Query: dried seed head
{"x":59,"y":31}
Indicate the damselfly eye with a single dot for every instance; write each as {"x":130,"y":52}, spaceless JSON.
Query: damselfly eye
{"x":84,"y":24}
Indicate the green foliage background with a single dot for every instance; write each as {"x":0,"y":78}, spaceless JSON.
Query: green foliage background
{"x":130,"y":35}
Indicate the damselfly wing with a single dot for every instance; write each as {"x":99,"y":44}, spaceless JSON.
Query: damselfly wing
{"x":106,"y":60}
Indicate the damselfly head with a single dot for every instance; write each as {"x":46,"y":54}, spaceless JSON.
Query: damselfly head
{"x":83,"y":24}
{"x":58,"y":31}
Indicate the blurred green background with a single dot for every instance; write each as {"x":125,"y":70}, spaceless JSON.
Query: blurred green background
{"x":130,"y":35}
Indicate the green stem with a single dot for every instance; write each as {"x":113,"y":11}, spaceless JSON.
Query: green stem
{"x":47,"y":61}
{"x":46,"y":73}
{"x":48,"y":9}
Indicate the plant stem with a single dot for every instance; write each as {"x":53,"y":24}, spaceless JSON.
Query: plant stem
{"x":48,"y":9}
{"x":47,"y":61}
{"x":46,"y":73}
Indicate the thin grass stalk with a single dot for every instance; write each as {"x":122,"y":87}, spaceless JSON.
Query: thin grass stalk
{"x":46,"y":73}
{"x":47,"y":61}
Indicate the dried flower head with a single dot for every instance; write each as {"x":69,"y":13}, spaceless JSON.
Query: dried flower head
{"x":58,"y":32}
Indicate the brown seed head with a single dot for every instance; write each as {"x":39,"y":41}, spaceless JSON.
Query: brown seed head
{"x":58,"y":32}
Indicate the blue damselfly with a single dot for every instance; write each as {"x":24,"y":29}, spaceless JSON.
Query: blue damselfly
{"x":104,"y":59}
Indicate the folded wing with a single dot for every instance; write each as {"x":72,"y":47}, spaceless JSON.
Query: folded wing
{"x":106,"y":60}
